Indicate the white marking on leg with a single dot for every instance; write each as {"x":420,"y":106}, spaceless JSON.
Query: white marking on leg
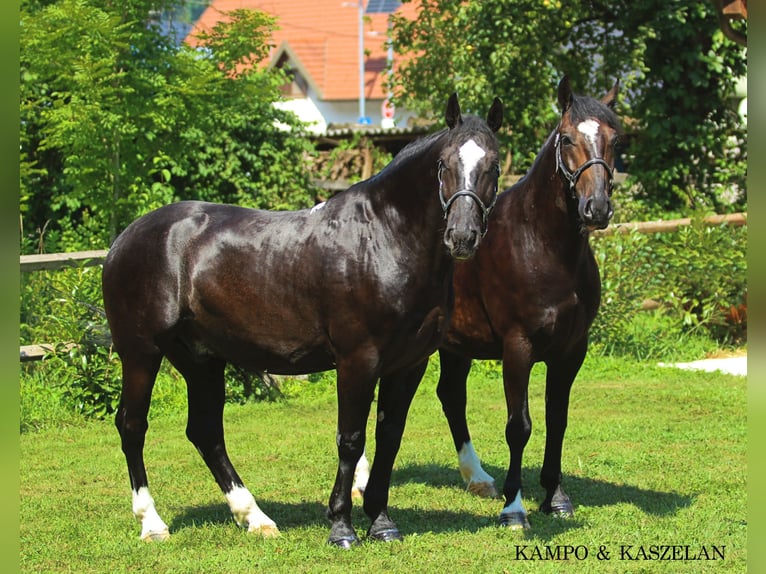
{"x":516,"y":506}
{"x":361,"y":476}
{"x":247,"y":514}
{"x":477,"y":480}
{"x":317,"y":207}
{"x":589,"y":128}
{"x":470,"y":153}
{"x":152,"y":526}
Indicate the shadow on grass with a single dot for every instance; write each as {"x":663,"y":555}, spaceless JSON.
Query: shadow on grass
{"x":290,"y":515}
{"x":584,"y":492}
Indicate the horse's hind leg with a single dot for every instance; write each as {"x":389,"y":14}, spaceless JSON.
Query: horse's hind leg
{"x":206,"y":396}
{"x":138,"y":376}
{"x":451,"y":391}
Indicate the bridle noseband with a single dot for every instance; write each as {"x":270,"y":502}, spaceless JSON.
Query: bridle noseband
{"x":447,"y":203}
{"x":573,"y":176}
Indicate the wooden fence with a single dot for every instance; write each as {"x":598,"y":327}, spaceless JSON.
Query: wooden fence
{"x":49,"y":261}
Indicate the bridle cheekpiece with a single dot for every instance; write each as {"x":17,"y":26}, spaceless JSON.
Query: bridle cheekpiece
{"x":447,"y":203}
{"x":573,"y":176}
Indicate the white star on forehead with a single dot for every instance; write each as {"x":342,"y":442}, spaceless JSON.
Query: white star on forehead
{"x":589,"y":128}
{"x":470,"y":153}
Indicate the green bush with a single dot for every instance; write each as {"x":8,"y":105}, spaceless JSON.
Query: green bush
{"x":63,"y":309}
{"x":694,"y":279}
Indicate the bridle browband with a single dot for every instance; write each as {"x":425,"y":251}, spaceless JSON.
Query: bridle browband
{"x":573,"y":176}
{"x":447,"y":203}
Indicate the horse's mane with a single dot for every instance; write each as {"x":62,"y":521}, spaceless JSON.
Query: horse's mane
{"x":470,"y":124}
{"x":414,"y":148}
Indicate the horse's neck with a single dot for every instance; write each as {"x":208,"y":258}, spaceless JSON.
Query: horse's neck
{"x":412,"y":193}
{"x":549,"y":210}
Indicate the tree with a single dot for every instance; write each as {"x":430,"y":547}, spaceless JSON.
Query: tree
{"x":117,"y":119}
{"x":677,"y":74}
{"x":690,"y":148}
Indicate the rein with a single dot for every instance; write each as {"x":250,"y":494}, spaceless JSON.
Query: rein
{"x":447,"y":203}
{"x":573,"y":176}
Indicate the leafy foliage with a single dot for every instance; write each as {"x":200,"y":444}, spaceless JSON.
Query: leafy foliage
{"x":62,"y":308}
{"x":677,"y":73}
{"x":696,"y":279}
{"x":689,"y":137}
{"x":118,"y":120}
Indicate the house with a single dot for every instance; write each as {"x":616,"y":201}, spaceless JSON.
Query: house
{"x":318,"y":41}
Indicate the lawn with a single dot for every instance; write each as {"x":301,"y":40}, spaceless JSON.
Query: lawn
{"x":654,"y":461}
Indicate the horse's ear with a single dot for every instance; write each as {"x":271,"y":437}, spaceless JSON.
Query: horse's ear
{"x":565,"y":94}
{"x":610,"y":99}
{"x":495,"y":115}
{"x":453,"y":116}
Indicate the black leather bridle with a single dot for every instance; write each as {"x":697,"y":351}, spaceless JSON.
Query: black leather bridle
{"x":447,"y":203}
{"x":573,"y":176}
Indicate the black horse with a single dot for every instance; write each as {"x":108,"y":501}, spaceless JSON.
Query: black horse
{"x":531,"y":293}
{"x":361,"y":283}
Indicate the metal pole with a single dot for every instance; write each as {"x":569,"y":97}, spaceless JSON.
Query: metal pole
{"x":362,"y":114}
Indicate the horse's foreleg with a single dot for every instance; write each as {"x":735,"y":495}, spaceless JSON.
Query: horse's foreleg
{"x":394,"y":398}
{"x":559,"y":378}
{"x":518,"y":429}
{"x":206,"y":393}
{"x":451,"y":391}
{"x":355,"y":395}
{"x":138,"y":375}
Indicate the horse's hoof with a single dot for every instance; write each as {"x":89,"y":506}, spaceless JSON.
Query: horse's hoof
{"x":515,"y":520}
{"x":560,"y":506}
{"x":483,"y":489}
{"x":265,"y":531}
{"x":562,"y":511}
{"x":344,"y":542}
{"x":156,"y":536}
{"x":387,"y":535}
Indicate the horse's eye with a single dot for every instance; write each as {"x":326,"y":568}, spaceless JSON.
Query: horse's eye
{"x":565,"y":140}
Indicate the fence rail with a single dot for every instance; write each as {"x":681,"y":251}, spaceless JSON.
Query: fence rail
{"x":667,"y":225}
{"x":49,"y":261}
{"x":46,"y":261}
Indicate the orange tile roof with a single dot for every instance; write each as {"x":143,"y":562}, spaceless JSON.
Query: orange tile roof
{"x":324,"y":36}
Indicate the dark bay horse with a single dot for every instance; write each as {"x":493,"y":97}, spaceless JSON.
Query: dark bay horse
{"x":361,"y":283}
{"x":531,"y":293}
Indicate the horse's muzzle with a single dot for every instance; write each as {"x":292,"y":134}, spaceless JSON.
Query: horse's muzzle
{"x":595,"y":212}
{"x":462,"y":244}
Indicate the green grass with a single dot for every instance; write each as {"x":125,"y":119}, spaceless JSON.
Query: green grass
{"x":652,"y":456}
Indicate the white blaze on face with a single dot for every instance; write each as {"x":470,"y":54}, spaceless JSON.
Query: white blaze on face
{"x":470,"y":153}
{"x":589,"y":128}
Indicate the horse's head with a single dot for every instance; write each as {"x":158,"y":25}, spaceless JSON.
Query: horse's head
{"x":585,"y":152}
{"x":468,"y":172}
